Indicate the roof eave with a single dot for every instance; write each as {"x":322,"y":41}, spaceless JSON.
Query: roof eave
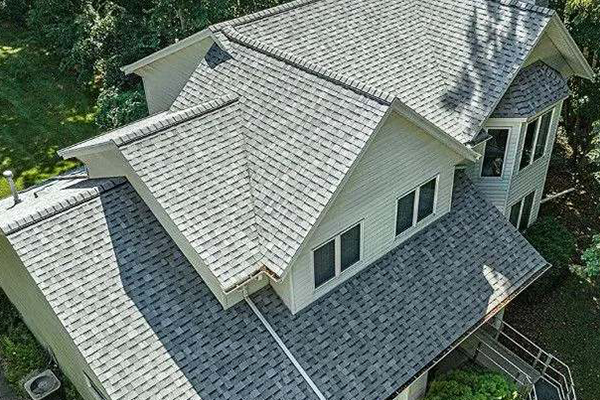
{"x":76,"y":152}
{"x":581,"y":66}
{"x":169,"y":50}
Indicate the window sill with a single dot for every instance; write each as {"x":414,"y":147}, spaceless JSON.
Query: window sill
{"x":337,"y":280}
{"x":414,"y":229}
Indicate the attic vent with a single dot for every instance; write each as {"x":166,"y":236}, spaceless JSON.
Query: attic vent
{"x":9,"y":177}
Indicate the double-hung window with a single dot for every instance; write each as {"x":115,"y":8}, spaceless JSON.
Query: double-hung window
{"x":520,"y":212}
{"x":415,"y":206}
{"x":495,"y":151}
{"x":536,"y":139}
{"x":337,"y":255}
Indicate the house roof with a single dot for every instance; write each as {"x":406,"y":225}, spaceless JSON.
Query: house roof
{"x":312,"y":81}
{"x":535,"y":88}
{"x":150,"y":328}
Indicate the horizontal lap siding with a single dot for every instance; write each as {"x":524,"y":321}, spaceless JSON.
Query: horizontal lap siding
{"x":400,"y":158}
{"x":533,"y":177}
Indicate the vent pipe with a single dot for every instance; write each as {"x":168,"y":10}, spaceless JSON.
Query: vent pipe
{"x":9,"y":177}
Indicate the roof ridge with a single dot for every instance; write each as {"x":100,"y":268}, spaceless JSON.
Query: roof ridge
{"x":311,"y":67}
{"x":176,"y":118}
{"x":63,"y":205}
{"x":256,"y":16}
{"x":524,"y":5}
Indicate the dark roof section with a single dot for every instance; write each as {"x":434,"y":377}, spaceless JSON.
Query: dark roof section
{"x":139,"y":313}
{"x":372,"y":334}
{"x":535,"y":88}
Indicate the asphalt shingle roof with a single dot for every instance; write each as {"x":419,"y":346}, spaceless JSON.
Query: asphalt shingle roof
{"x":150,"y":328}
{"x":145,"y":322}
{"x":535,"y":88}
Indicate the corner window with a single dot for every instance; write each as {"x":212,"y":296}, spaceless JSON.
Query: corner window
{"x":415,"y":206}
{"x":495,"y":150}
{"x":536,"y":139}
{"x":520,"y":212}
{"x":337,"y":255}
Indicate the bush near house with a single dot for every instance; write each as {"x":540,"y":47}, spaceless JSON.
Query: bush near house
{"x":591,"y":258}
{"x":472,"y":384}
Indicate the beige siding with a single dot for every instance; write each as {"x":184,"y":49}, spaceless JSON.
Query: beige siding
{"x":164,"y":78}
{"x":401,"y":157}
{"x":532,"y":177}
{"x":37,"y":313}
{"x":495,"y":189}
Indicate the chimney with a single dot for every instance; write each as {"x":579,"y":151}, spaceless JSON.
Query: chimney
{"x":9,"y":177}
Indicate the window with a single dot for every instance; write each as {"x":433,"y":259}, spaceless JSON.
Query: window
{"x":337,"y":255}
{"x":536,"y":139}
{"x":520,"y":212}
{"x":495,"y":150}
{"x":415,"y":206}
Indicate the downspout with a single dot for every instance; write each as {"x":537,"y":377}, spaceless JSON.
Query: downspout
{"x":283,"y":347}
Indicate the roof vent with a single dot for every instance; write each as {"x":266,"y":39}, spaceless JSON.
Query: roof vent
{"x":9,"y":177}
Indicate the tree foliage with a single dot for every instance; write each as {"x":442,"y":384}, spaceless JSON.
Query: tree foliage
{"x":472,"y":385}
{"x":591,"y":258}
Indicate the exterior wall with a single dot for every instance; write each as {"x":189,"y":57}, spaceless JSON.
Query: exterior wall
{"x":400,"y":158}
{"x":39,"y":316}
{"x":495,"y":189}
{"x":164,"y":78}
{"x":532,"y":177}
{"x":416,"y":390}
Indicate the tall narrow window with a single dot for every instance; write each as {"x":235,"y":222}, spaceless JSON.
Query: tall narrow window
{"x":415,"y":206}
{"x":404,"y":219}
{"x":520,"y":212}
{"x":536,"y":139}
{"x":495,"y":150}
{"x":426,"y":200}
{"x":526,"y":213}
{"x":350,"y":247}
{"x":540,"y":146}
{"x":528,"y":145}
{"x":324,"y":263}
{"x":337,"y":255}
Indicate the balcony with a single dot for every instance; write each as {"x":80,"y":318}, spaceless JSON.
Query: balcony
{"x":499,"y":347}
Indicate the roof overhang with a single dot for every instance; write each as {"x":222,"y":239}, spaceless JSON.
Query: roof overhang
{"x":205,"y":34}
{"x":460,"y":148}
{"x":565,"y":43}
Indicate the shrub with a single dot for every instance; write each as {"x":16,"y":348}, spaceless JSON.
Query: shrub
{"x":591,"y":258}
{"x":117,"y":108}
{"x":472,"y":385}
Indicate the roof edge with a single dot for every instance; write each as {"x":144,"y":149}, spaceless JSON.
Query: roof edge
{"x":171,"y":49}
{"x":583,"y":68}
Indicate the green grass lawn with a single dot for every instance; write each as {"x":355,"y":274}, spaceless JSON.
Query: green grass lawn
{"x":41,"y":110}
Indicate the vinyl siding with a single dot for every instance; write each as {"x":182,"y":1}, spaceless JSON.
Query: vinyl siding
{"x":39,"y":316}
{"x":533,"y":177}
{"x":495,"y":189}
{"x":164,"y":78}
{"x":400,"y":158}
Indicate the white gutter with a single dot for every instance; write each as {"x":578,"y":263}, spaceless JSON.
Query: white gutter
{"x":287,"y":352}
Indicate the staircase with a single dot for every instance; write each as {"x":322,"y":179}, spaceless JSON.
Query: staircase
{"x":538,"y":374}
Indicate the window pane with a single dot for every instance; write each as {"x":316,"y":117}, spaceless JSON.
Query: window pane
{"x":514,"y":214}
{"x":528,"y":145}
{"x":495,"y":149}
{"x":350,"y":247}
{"x":404,"y":220}
{"x":543,"y":135}
{"x":527,"y":205}
{"x":324,"y":263}
{"x":426,"y":199}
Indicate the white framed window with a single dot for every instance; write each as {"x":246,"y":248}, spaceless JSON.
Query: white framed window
{"x":337,"y":255}
{"x":416,"y":205}
{"x":495,"y":152}
{"x":520,"y":212}
{"x":95,"y":391}
{"x":536,"y":139}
